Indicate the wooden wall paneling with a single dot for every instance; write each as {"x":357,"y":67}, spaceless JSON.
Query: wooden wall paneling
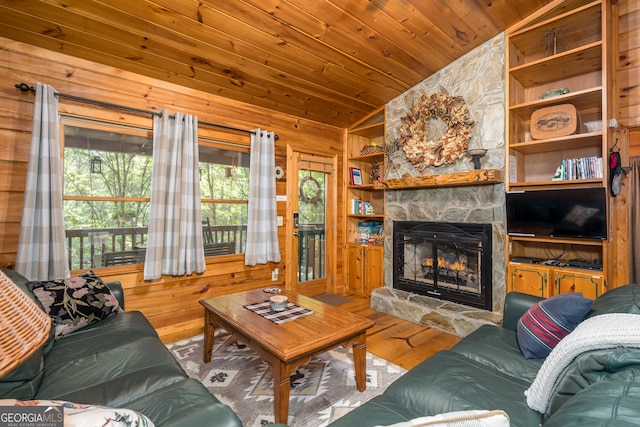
{"x":634,"y":142}
{"x":620,"y":211}
{"x":170,"y":304}
{"x":628,"y":64}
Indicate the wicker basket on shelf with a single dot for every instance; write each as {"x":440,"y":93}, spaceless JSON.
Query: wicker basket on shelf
{"x":25,"y":327}
{"x":371,"y":149}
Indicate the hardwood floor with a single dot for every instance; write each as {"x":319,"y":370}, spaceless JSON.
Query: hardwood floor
{"x":397,"y":340}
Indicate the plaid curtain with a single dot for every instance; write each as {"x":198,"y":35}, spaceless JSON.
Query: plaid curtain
{"x":174,"y":241}
{"x":42,"y":254}
{"x":262,"y":224}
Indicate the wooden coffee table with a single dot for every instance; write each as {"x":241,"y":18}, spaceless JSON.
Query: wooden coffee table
{"x":288,"y":345}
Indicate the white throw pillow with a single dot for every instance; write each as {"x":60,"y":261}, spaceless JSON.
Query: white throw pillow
{"x":473,"y":418}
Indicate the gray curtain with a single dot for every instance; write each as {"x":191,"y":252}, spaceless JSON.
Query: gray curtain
{"x":42,"y":253}
{"x":174,"y":243}
{"x":635,"y":220}
{"x":262,"y":222}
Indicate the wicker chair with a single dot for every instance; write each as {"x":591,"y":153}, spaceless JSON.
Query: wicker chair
{"x":25,"y":327}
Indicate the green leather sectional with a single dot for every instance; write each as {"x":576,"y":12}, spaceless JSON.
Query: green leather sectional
{"x":116,"y":362}
{"x":486,"y":370}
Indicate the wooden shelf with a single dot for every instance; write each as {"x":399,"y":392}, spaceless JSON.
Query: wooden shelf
{"x":569,"y":142}
{"x":561,"y":240}
{"x":363,"y":216}
{"x":586,"y":19}
{"x":368,"y":157}
{"x":560,"y":66}
{"x":475,"y":177}
{"x":366,"y":187}
{"x":371,"y":131}
{"x":583,"y":100}
{"x":596,"y":182}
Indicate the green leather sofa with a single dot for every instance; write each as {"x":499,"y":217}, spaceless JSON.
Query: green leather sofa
{"x":486,"y":370}
{"x":117,"y":362}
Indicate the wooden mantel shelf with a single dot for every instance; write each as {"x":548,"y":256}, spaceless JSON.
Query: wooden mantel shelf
{"x":460,"y":179}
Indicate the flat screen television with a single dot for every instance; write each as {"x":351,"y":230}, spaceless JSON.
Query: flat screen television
{"x":573,"y":213}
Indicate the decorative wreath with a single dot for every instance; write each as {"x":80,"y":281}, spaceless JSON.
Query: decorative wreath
{"x":310,"y":190}
{"x":453,"y":111}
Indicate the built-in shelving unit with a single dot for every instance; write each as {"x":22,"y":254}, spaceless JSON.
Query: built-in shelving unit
{"x":364,"y":261}
{"x":564,"y":46}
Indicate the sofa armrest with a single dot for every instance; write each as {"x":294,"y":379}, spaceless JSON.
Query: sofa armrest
{"x":116,"y":288}
{"x":515,"y":305}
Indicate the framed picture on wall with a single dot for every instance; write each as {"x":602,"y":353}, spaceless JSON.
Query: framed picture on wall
{"x":356,"y":176}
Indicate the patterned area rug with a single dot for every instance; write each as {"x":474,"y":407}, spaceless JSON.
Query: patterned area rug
{"x":321,"y":391}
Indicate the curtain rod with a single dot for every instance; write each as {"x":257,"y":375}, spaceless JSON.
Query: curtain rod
{"x":26,"y":88}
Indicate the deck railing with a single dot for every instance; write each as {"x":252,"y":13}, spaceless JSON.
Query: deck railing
{"x":311,"y":252}
{"x":86,"y":248}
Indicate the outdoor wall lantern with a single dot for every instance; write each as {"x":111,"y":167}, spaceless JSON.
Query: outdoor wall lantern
{"x":96,"y":165}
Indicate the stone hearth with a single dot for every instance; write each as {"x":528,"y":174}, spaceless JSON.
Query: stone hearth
{"x":442,"y":315}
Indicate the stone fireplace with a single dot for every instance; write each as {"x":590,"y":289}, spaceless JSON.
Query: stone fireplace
{"x":483,"y":90}
{"x":444,"y":260}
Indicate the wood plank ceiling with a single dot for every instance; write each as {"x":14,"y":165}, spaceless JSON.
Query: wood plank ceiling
{"x":332,"y":61}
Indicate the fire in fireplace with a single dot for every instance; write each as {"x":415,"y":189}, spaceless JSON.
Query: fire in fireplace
{"x":448,"y":261}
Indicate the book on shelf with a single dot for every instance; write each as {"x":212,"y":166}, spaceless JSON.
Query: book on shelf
{"x":367,"y":231}
{"x":367,"y":208}
{"x":355,"y":176}
{"x":580,"y":168}
{"x":359,"y":207}
{"x":356,"y":206}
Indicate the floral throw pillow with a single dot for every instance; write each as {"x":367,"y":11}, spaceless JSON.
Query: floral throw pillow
{"x":75,"y":302}
{"x":80,"y":415}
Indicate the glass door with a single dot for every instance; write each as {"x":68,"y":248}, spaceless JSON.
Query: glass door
{"x":312,"y":190}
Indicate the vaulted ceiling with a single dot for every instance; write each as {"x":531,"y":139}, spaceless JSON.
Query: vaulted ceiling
{"x":332,"y":61}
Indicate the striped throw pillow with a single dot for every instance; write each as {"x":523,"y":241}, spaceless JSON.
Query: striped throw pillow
{"x":542,"y":327}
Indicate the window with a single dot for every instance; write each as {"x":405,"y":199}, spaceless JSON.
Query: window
{"x":107,"y":188}
{"x":107,"y":185}
{"x":224,"y":190}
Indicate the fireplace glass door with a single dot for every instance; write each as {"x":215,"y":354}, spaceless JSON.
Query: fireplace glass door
{"x":444,"y":260}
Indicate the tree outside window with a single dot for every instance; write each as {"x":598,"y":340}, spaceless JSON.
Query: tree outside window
{"x":107,"y":186}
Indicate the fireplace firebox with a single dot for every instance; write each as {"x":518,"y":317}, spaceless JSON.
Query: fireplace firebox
{"x":448,"y":261}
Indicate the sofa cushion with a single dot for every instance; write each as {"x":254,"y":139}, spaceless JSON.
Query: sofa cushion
{"x":76,"y":414}
{"x":75,"y":302}
{"x":476,"y":418}
{"x":547,"y":322}
{"x":498,"y":348}
{"x":591,"y":367}
{"x":24,"y":380}
{"x":611,"y":402}
{"x":625,"y":299}
{"x":109,"y":363}
{"x":100,"y":337}
{"x":449,"y":381}
{"x":597,"y":333}
{"x":185,"y":403}
{"x":382,"y":409}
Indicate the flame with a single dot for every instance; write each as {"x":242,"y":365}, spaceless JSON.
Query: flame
{"x":457,"y":265}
